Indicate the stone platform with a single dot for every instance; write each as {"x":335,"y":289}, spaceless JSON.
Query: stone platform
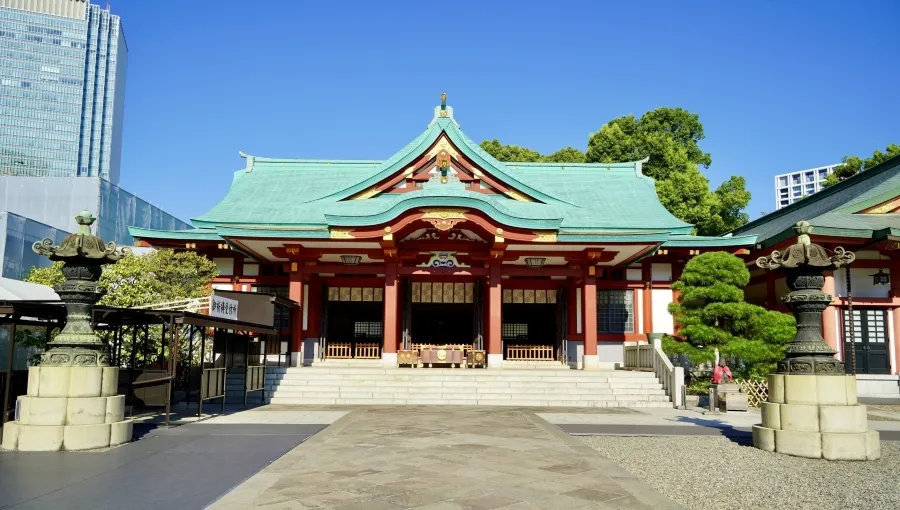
{"x":816,"y":416}
{"x":69,"y":408}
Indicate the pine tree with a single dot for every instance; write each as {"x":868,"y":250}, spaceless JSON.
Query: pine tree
{"x":711,"y":313}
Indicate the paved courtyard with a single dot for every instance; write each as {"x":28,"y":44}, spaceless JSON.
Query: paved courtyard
{"x":443,"y":458}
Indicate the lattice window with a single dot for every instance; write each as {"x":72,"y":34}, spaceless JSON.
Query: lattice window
{"x":615,"y":311}
{"x":869,"y":324}
{"x":279,"y":290}
{"x":514,"y":331}
{"x":367,"y":329}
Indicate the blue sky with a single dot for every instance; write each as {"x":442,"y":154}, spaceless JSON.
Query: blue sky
{"x":779,"y":86}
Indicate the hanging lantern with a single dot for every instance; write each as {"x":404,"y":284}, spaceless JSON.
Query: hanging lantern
{"x":351,"y":260}
{"x":881,"y":278}
{"x":535,"y":262}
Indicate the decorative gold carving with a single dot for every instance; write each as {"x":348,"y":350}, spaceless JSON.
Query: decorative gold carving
{"x":333,"y":293}
{"x":499,"y":231}
{"x":345,"y":293}
{"x":363,"y":195}
{"x":368,"y":294}
{"x":443,"y":219}
{"x":355,"y":294}
{"x":540,"y":296}
{"x":885,"y":208}
{"x":441,"y":355}
{"x":518,"y":296}
{"x":507,"y":295}
{"x":416,"y":292}
{"x":448,"y":292}
{"x":426,"y":292}
{"x":529,"y":296}
{"x":340,"y":233}
{"x":437,"y":292}
{"x":469,"y":292}
{"x":551,"y":296}
{"x":519,"y":197}
{"x":387,"y":230}
{"x":443,"y":145}
{"x":378,"y":295}
{"x":544,"y":237}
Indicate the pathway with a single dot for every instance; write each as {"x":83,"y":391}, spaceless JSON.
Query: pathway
{"x":443,"y":458}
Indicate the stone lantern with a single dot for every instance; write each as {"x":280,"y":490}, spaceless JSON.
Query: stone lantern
{"x":812,"y":409}
{"x":71,"y":403}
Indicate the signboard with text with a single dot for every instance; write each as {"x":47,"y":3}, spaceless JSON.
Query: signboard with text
{"x":223,"y":307}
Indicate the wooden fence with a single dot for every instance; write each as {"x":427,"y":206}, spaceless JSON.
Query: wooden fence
{"x":339,"y":350}
{"x":367,"y":351}
{"x":757,"y":391}
{"x":529,"y":352}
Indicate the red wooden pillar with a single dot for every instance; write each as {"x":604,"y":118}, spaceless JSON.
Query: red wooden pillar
{"x":391,"y":282}
{"x":829,"y":316}
{"x":295,"y":293}
{"x":895,"y":296}
{"x":647,"y":274}
{"x":495,"y":317}
{"x":589,"y":314}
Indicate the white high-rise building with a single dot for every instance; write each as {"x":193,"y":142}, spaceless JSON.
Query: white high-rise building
{"x":793,"y":186}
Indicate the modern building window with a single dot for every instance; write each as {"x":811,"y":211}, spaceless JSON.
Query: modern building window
{"x":615,"y":311}
{"x":795,"y":179}
{"x":782,"y":181}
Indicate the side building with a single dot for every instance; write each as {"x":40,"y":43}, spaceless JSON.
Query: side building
{"x":860,"y":214}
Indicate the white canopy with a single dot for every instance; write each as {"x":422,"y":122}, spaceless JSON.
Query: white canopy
{"x":17,"y":290}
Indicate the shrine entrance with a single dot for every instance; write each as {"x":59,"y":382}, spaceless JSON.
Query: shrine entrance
{"x":444,"y":316}
{"x":352,"y":323}
{"x":531,"y":325}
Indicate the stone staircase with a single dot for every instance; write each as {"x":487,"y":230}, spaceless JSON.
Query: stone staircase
{"x":550,"y":387}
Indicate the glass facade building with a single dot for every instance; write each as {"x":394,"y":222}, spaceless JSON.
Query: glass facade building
{"x":62,"y":89}
{"x":46,"y":207}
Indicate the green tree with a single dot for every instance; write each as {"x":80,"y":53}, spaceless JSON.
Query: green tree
{"x":567,"y":155}
{"x":155,"y":277}
{"x":670,"y":140}
{"x":510,"y":152}
{"x":711,"y":313}
{"x":852,"y":165}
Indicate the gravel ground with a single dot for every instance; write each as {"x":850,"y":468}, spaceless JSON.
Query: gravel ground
{"x":885,"y":407}
{"x":705,"y":473}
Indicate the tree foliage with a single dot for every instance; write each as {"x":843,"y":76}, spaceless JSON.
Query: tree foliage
{"x":711,"y":313}
{"x":155,"y":277}
{"x":852,"y":165}
{"x":670,"y":139}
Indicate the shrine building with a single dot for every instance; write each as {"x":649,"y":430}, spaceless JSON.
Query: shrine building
{"x":443,"y":245}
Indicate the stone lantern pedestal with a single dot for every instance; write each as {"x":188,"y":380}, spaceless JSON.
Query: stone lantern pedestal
{"x":71,"y":401}
{"x":812,"y":409}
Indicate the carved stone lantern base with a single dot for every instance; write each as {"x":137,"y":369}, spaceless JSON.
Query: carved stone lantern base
{"x":74,"y":356}
{"x":816,"y":416}
{"x":69,"y":408}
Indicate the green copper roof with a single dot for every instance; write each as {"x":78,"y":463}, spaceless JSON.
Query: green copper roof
{"x":834,"y":211}
{"x":197,"y":234}
{"x":688,"y":241}
{"x":295,"y":198}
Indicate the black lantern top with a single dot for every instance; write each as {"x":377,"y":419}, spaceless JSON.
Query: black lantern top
{"x":82,"y":244}
{"x":805,"y":254}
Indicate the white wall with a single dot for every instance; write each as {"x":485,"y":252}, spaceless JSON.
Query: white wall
{"x":661,"y":272}
{"x":224,"y":265}
{"x":662,"y":319}
{"x":861,"y":283}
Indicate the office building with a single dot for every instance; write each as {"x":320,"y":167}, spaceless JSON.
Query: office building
{"x":62,"y":105}
{"x":62,"y":89}
{"x":794,"y":186}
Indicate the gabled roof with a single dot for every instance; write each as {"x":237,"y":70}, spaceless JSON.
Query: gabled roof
{"x":838,"y":210}
{"x":298,"y":198}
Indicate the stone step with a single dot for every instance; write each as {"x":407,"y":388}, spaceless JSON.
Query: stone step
{"x":548,"y":392}
{"x":467,"y":402}
{"x":309,"y":371}
{"x":459,"y":377}
{"x":451,"y":383}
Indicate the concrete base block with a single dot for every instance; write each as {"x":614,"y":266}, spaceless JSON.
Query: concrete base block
{"x":800,"y":389}
{"x":771,"y":415}
{"x":852,"y":392}
{"x":776,"y":389}
{"x":831,"y":390}
{"x":53,"y":381}
{"x":591,"y":362}
{"x":798,"y":443}
{"x":764,"y":438}
{"x":86,"y":437}
{"x":836,"y":446}
{"x":843,"y":419}
{"x":34,"y":381}
{"x":121,"y":432}
{"x":40,"y":438}
{"x":494,"y":360}
{"x":389,"y":359}
{"x":115,"y":409}
{"x":733,"y":402}
{"x":42,"y":411}
{"x":799,"y":417}
{"x":85,"y":381}
{"x":10,"y":436}
{"x":109,"y":386}
{"x":86,"y":411}
{"x":873,"y":445}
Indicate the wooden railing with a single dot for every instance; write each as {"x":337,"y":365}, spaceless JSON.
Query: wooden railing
{"x":367,"y":351}
{"x":650,"y":357}
{"x":339,"y":350}
{"x":529,"y":352}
